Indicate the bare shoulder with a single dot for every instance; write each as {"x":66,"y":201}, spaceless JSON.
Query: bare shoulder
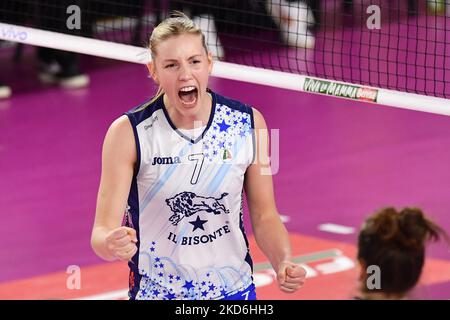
{"x":119,"y":139}
{"x":121,"y":130}
{"x":121,"y":125}
{"x":260,"y":122}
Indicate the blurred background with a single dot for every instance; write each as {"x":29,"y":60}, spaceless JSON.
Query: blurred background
{"x":339,"y":160}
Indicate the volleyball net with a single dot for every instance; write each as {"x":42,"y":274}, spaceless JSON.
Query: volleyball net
{"x":393,"y":52}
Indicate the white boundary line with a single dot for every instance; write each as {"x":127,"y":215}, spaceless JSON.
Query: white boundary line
{"x":225,"y":70}
{"x":112,"y":295}
{"x":336,"y":228}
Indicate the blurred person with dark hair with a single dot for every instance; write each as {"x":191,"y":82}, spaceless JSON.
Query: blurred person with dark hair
{"x":395,"y":243}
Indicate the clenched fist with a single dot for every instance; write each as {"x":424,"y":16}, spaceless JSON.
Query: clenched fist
{"x":290,"y":276}
{"x":121,"y":242}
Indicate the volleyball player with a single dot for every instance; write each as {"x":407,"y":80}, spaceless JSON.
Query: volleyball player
{"x":178,"y":165}
{"x":395,"y":243}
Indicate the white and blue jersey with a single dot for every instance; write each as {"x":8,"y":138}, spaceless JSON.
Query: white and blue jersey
{"x":185,"y":203}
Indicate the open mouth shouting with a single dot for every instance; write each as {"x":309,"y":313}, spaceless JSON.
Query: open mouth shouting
{"x":188,"y":95}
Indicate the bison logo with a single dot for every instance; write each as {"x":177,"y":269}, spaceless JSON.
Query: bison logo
{"x":185,"y":204}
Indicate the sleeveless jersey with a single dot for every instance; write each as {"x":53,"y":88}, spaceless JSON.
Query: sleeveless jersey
{"x":185,"y":203}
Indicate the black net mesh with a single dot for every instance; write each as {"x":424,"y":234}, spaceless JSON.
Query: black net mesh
{"x":398,"y":44}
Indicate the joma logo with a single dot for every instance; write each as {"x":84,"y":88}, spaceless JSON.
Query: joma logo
{"x":165,"y":160}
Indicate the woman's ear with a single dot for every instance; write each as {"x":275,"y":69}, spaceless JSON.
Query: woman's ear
{"x":152,"y":71}
{"x":210,"y":62}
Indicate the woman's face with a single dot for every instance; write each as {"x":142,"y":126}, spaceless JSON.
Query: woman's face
{"x":181,"y":67}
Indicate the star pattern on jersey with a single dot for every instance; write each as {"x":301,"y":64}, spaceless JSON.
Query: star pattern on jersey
{"x":163,"y":278}
{"x":170,"y":296}
{"x":228,"y":126}
{"x":188,"y":285}
{"x":168,"y":285}
{"x":223,"y":126}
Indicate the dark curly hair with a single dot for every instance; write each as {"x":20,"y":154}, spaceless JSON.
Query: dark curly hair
{"x":395,"y":242}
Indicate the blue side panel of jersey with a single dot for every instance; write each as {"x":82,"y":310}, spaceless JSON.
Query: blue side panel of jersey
{"x":132,"y":221}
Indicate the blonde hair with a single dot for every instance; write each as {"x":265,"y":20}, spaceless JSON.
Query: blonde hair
{"x":177,"y":24}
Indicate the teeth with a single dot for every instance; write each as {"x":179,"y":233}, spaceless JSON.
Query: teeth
{"x":186,"y":89}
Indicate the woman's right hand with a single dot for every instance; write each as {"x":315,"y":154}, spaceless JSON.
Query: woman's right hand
{"x":121,"y":243}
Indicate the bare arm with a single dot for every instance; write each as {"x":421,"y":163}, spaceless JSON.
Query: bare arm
{"x":109,"y":240}
{"x":270,"y":233}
